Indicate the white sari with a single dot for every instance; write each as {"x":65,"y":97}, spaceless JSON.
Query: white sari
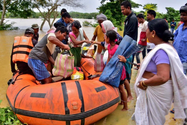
{"x":153,"y":104}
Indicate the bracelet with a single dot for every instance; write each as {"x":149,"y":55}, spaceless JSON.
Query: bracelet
{"x":143,"y":86}
{"x":143,"y":83}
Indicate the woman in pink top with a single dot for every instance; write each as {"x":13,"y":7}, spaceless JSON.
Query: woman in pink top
{"x":110,"y":39}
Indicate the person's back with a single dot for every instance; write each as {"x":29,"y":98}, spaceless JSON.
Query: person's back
{"x":20,"y":51}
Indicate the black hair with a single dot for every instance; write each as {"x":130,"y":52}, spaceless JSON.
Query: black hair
{"x":183,"y":8}
{"x":111,"y":34}
{"x":66,"y":15}
{"x":152,"y":12}
{"x":161,"y":28}
{"x":140,"y":16}
{"x":63,"y":11}
{"x":62,"y":29}
{"x":57,"y":24}
{"x":126,"y":4}
{"x":76,"y":24}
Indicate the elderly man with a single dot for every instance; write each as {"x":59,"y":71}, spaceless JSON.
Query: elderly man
{"x":98,"y":33}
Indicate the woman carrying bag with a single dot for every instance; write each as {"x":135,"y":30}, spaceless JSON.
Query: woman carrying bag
{"x":77,"y":38}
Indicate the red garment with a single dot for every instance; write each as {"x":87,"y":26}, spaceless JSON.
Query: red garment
{"x":142,"y":36}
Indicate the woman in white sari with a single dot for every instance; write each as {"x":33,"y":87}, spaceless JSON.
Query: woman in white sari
{"x":160,"y":80}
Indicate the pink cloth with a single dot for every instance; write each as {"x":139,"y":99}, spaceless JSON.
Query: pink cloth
{"x":111,"y":52}
{"x":71,"y":33}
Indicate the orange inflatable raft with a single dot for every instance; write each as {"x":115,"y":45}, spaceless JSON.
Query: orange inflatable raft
{"x":62,"y":103}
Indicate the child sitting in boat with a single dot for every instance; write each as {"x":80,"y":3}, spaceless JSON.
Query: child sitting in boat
{"x":77,"y":38}
{"x":110,"y":39}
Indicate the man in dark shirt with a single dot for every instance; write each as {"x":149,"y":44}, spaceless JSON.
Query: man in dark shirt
{"x":173,"y":25}
{"x":131,"y":22}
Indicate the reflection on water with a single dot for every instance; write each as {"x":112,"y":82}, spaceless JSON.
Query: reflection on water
{"x":118,"y":117}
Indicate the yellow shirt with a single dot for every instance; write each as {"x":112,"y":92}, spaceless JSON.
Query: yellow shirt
{"x":100,"y":37}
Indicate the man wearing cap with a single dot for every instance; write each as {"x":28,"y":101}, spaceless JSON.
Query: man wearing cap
{"x":20,"y":49}
{"x":98,"y":33}
{"x":35,"y":27}
{"x":180,"y":38}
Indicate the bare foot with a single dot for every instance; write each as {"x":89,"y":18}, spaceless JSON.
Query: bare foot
{"x":129,"y":98}
{"x":124,"y":109}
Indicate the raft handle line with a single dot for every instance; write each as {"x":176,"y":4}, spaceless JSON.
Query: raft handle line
{"x":90,"y":75}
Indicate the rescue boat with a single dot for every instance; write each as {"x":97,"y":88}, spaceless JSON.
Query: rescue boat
{"x":69,"y":102}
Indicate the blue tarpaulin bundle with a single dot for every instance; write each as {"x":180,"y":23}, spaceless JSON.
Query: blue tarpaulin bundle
{"x":112,"y":71}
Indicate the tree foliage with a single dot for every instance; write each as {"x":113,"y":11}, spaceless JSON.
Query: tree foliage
{"x":113,"y":12}
{"x":48,"y":8}
{"x":172,"y":14}
{"x":83,"y":15}
{"x":134,"y":5}
{"x":150,"y":6}
{"x":22,"y":8}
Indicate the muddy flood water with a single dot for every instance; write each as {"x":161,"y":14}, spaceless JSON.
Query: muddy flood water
{"x":118,"y":117}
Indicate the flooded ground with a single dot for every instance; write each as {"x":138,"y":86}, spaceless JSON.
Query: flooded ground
{"x":118,"y":117}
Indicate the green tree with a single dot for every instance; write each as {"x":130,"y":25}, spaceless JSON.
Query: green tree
{"x":48,"y":8}
{"x":172,"y":14}
{"x":134,"y":5}
{"x":113,"y":12}
{"x":149,"y":6}
{"x":20,"y":8}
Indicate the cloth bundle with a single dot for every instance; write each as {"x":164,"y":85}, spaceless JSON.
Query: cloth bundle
{"x":112,"y":71}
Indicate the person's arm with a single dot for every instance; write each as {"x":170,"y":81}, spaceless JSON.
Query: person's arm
{"x":94,"y":37}
{"x":11,"y":62}
{"x":175,"y":35}
{"x":96,"y":42}
{"x":54,"y":40}
{"x":95,"y":34}
{"x":51,"y":60}
{"x":162,"y":62}
{"x":175,"y":24}
{"x":162,"y":76}
{"x":76,"y":42}
{"x":108,"y":59}
{"x":122,"y":58}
